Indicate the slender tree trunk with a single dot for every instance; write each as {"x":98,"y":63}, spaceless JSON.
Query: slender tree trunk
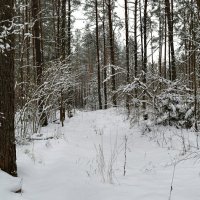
{"x":112,"y":53}
{"x":69,"y":30}
{"x":185,"y":47}
{"x":135,"y":39}
{"x":160,"y":40}
{"x":63,"y":27}
{"x":152,"y":56}
{"x":171,"y":39}
{"x":145,"y":53}
{"x":38,"y":55}
{"x":191,"y":50}
{"x":7,"y":113}
{"x":63,"y":56}
{"x":41,"y":34}
{"x":54,"y":27}
{"x":27,"y":19}
{"x":135,"y":44}
{"x":104,"y":59}
{"x":165,"y":50}
{"x":21,"y":63}
{"x":97,"y":55}
{"x":127,"y":54}
{"x":141,"y":33}
{"x":193,"y":21}
{"x":195,"y":90}
{"x":58,"y":41}
{"x":70,"y":92}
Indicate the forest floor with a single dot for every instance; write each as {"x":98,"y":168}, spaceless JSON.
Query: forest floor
{"x":84,"y":160}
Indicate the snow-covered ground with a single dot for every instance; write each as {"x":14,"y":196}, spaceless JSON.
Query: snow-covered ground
{"x":85,"y":161}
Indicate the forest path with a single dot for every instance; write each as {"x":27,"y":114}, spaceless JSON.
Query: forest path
{"x":85,"y":162}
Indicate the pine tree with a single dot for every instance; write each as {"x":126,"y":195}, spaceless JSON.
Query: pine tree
{"x":98,"y":57}
{"x":37,"y":35}
{"x":7,"y":113}
{"x":112,"y":52}
{"x":127,"y":53}
{"x":169,"y":13}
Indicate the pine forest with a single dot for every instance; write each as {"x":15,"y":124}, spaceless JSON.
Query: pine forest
{"x":99,"y":99}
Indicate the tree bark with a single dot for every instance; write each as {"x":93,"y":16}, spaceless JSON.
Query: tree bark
{"x":112,"y":53}
{"x":69,"y":30}
{"x":63,"y":56}
{"x":7,"y":133}
{"x":169,"y":13}
{"x":160,"y":41}
{"x":104,"y":58}
{"x":135,"y":44}
{"x":135,"y":39}
{"x":145,"y":53}
{"x":97,"y":55}
{"x":127,"y":54}
{"x":141,"y":33}
{"x":38,"y":55}
{"x":165,"y":49}
{"x":58,"y":41}
{"x":63,"y":27}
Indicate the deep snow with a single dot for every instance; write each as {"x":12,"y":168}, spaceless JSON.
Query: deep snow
{"x":85,"y":161}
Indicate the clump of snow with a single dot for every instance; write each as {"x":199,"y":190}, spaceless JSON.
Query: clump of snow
{"x":8,"y":186}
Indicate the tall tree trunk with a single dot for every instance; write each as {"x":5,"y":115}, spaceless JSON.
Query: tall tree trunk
{"x":63,"y":56}
{"x":127,"y":54}
{"x":135,"y":39}
{"x":193,"y":21}
{"x":141,"y":33}
{"x":112,"y":53}
{"x":7,"y":113}
{"x":195,"y":88}
{"x":135,"y":44}
{"x":58,"y":41}
{"x":169,"y":13}
{"x":97,"y":55}
{"x":104,"y":59}
{"x":185,"y":46}
{"x":63,"y":27}
{"x":70,"y":92}
{"x":38,"y":55}
{"x":145,"y":53}
{"x":165,"y":49}
{"x":54,"y":27}
{"x":69,"y":30}
{"x":152,"y":56}
{"x":21,"y":63}
{"x":160,"y":40}
{"x":27,"y":20}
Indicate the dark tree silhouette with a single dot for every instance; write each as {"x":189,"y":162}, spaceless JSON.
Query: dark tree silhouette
{"x":7,"y":133}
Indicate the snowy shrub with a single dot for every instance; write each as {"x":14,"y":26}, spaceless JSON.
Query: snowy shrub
{"x":175,"y":106}
{"x":136,"y":91}
{"x":57,"y":77}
